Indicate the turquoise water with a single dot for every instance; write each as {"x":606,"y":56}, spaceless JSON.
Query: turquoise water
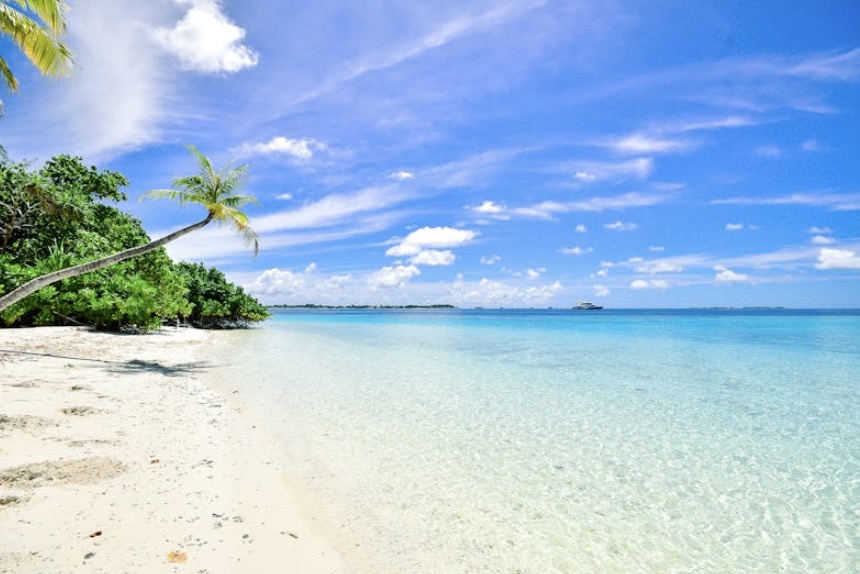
{"x":562,"y":441}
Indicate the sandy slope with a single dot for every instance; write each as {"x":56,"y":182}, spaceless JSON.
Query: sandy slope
{"x":115,"y":456}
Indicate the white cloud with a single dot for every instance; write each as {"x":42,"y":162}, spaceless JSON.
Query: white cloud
{"x":334,"y":209}
{"x":297,"y":287}
{"x":768,"y":151}
{"x":591,"y":171}
{"x":819,"y":230}
{"x":489,"y":208}
{"x":620,"y":226}
{"x":734,"y":226}
{"x":284,"y":196}
{"x":640,"y":143}
{"x":725,"y":275}
{"x":656,"y":248}
{"x":120,"y":97}
{"x":639,"y":284}
{"x":431,"y":238}
{"x":534,"y":274}
{"x":810,"y":145}
{"x":834,"y":201}
{"x":657,"y":266}
{"x":822,"y":240}
{"x":581,"y":229}
{"x":393,"y":276}
{"x":576,"y":250}
{"x":302,"y":149}
{"x":600,"y":290}
{"x":550,"y":209}
{"x":431,"y":245}
{"x":205,"y":40}
{"x":829,"y":258}
{"x":489,"y":293}
{"x":492,"y":210}
{"x":401,"y":175}
{"x":490,"y":260}
{"x":433,"y":257}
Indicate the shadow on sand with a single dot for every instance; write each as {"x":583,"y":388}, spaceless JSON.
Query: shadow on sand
{"x":132,"y":366}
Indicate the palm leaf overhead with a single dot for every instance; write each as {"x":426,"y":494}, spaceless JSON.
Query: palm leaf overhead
{"x":38,"y":38}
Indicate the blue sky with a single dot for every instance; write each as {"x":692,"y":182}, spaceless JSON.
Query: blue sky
{"x":515,"y":153}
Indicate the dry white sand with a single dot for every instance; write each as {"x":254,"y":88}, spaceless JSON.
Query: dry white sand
{"x":116,"y":456}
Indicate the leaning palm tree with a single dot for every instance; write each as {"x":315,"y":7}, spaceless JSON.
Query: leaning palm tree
{"x":214,"y":190}
{"x":35,"y":26}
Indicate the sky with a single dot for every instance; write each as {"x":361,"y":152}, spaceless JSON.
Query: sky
{"x":487,"y":153}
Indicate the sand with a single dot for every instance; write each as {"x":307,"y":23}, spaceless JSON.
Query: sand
{"x":116,"y":455}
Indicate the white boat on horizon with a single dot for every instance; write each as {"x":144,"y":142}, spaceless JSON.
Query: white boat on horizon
{"x":587,"y":306}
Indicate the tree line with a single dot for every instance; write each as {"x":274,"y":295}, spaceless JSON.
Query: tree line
{"x":57,"y":218}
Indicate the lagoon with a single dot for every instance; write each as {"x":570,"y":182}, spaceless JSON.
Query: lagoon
{"x":561,"y":441}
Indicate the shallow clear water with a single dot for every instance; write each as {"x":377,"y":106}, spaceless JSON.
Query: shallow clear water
{"x":561,"y":441}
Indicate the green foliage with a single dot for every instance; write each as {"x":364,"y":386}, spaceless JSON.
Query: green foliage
{"x":217,"y":303}
{"x":53,"y":218}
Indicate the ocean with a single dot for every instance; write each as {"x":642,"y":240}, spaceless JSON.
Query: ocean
{"x":560,"y":441}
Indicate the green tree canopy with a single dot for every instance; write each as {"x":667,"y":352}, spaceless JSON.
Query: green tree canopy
{"x":54,"y":218}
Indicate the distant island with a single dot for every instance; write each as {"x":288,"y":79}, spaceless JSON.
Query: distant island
{"x":313,"y":306}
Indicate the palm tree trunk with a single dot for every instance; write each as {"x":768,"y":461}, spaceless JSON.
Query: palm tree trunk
{"x":34,"y":285}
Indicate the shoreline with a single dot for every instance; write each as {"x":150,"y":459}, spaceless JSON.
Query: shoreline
{"x":117,"y":453}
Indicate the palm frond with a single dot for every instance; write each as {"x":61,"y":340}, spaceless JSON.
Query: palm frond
{"x":39,"y":44}
{"x":49,"y":11}
{"x":216,"y":191}
{"x":8,"y":76}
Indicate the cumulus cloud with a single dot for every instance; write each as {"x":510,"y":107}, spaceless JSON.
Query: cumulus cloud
{"x":302,"y":149}
{"x":205,"y":40}
{"x":393,"y":276}
{"x":284,"y":196}
{"x":433,"y":257}
{"x":640,"y":284}
{"x":726,"y":275}
{"x":534,"y":274}
{"x":620,"y":226}
{"x":489,"y":208}
{"x":576,"y":250}
{"x":734,"y":226}
{"x":487,"y":292}
{"x":581,"y":228}
{"x":822,"y":240}
{"x":600,"y":290}
{"x":819,"y":230}
{"x":490,"y":260}
{"x":285,"y":286}
{"x":423,"y":245}
{"x":401,"y":175}
{"x":829,"y":258}
{"x":585,"y":176}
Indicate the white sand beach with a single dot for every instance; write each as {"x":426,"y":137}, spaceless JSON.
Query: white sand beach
{"x":117,"y":456}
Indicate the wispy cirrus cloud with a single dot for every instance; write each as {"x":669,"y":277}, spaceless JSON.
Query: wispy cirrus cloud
{"x":551,"y":209}
{"x":458,"y":25}
{"x":827,"y":200}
